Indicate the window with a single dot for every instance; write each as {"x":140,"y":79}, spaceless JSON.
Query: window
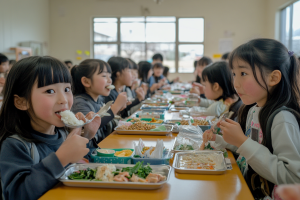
{"x":179,"y":40}
{"x":290,"y":27}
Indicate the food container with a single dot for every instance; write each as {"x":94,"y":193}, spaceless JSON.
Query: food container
{"x":161,"y":169}
{"x":220,"y":160}
{"x":165,"y":160}
{"x":177,"y":151}
{"x":203,"y":127}
{"x":156,"y":106}
{"x":105,"y":152}
{"x":158,"y":114}
{"x":148,"y":120}
{"x":94,"y":158}
{"x":142,"y":132}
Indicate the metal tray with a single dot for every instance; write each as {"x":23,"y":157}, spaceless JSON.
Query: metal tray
{"x":176,"y":163}
{"x":161,"y":169}
{"x":138,"y":132}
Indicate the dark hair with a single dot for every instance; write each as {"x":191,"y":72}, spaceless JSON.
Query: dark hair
{"x":166,"y":70}
{"x":86,"y":68}
{"x":144,"y":67}
{"x":225,"y":56}
{"x":157,"y":65}
{"x":133,"y":64}
{"x":219,"y":72}
{"x":12,"y":62}
{"x":204,"y":61}
{"x":23,"y":75}
{"x":158,"y":56}
{"x":195,"y":64}
{"x":265,"y":56}
{"x":3,"y":58}
{"x":68,"y":61}
{"x":117,"y":64}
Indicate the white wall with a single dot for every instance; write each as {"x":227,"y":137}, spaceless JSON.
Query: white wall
{"x":23,"y":20}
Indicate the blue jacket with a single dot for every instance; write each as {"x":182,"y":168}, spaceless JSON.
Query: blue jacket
{"x":20,"y":177}
{"x":152,"y":80}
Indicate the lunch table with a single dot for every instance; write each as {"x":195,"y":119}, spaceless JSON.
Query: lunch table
{"x":230,"y":185}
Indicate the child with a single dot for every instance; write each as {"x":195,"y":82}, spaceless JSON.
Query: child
{"x":166,"y":74}
{"x":36,"y":90}
{"x":145,"y":72}
{"x":266,"y":79}
{"x":90,"y":80}
{"x":4,"y":66}
{"x":121,"y":76}
{"x":157,"y":76}
{"x":157,"y":58}
{"x":219,"y":90}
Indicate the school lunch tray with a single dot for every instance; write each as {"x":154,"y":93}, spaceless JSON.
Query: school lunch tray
{"x":165,"y":160}
{"x":161,"y":106}
{"x":94,"y":158}
{"x":158,"y":114}
{"x":161,"y":169}
{"x":140,"y":132}
{"x":178,"y":169}
{"x":147,"y":120}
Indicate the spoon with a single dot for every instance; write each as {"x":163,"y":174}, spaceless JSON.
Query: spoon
{"x":101,"y":113}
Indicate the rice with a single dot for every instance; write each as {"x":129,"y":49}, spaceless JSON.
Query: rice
{"x":68,"y":117}
{"x":111,"y":87}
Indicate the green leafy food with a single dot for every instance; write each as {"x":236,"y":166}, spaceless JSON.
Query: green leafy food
{"x":88,"y":174}
{"x":184,"y":147}
{"x":209,"y":147}
{"x":139,"y":170}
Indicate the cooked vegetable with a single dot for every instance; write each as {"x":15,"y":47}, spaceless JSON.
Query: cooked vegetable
{"x":84,"y":174}
{"x":139,"y":170}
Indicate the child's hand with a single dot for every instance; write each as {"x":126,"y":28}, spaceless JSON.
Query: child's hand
{"x":145,"y":87}
{"x":232,"y":132}
{"x":289,"y":192}
{"x":208,"y":135}
{"x":195,"y":90}
{"x":73,"y":148}
{"x":140,"y":94}
{"x":199,"y":86}
{"x":119,"y":103}
{"x":91,"y":128}
{"x":154,"y":87}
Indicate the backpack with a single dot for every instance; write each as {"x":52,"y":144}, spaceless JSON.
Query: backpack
{"x":32,"y":150}
{"x":259,"y":186}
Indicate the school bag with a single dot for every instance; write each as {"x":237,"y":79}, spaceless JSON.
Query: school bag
{"x":259,"y":186}
{"x":32,"y":150}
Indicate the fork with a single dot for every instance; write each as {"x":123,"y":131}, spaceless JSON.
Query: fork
{"x":101,"y":113}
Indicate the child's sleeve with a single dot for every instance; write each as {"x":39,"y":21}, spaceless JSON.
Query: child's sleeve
{"x":216,"y":109}
{"x":151,"y":81}
{"x":206,"y":102}
{"x":283,"y":166}
{"x":21,"y":178}
{"x":221,"y":144}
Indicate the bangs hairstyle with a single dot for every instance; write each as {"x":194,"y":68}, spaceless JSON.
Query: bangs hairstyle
{"x":204,"y":61}
{"x":265,"y":56}
{"x":117,"y":64}
{"x":144,"y":68}
{"x":219,"y":72}
{"x":20,"y":81}
{"x":132,"y":64}
{"x":158,"y":65}
{"x":87,"y":68}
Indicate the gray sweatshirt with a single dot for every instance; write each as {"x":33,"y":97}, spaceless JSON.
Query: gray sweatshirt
{"x":214,"y":108}
{"x":281,"y":167}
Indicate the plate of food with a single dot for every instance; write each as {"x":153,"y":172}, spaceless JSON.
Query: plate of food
{"x":120,"y":176}
{"x":147,"y":120}
{"x":142,"y":128}
{"x":200,"y":162}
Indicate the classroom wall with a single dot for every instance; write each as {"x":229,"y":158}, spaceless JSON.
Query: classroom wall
{"x":23,"y":20}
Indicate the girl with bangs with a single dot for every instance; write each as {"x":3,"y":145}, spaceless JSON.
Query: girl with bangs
{"x":35,"y":148}
{"x":267,"y":135}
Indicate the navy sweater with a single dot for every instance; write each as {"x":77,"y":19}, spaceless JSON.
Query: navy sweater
{"x":85,"y":103}
{"x":20,"y":177}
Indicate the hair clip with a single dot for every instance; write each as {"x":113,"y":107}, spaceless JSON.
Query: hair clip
{"x":291,"y":53}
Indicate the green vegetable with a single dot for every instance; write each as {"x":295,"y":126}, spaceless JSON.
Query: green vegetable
{"x":184,"y":147}
{"x":136,"y":156}
{"x":84,"y":174}
{"x":139,"y":170}
{"x":209,"y":147}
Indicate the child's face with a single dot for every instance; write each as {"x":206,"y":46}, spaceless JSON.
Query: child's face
{"x":4,"y":66}
{"x":100,"y":82}
{"x":158,"y":71}
{"x":126,"y":77}
{"x":47,"y":102}
{"x":210,"y":92}
{"x":134,"y":74}
{"x":246,"y":85}
{"x":199,"y":70}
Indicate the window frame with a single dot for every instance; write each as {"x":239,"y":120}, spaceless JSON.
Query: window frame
{"x":118,"y":42}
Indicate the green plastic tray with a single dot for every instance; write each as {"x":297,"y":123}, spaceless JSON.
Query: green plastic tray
{"x":112,"y":160}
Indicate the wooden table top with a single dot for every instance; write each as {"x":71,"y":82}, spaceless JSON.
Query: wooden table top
{"x":230,"y":185}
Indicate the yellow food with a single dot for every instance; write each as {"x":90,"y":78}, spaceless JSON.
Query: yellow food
{"x":184,"y":122}
{"x":201,"y":122}
{"x":123,"y":153}
{"x":147,"y":148}
{"x":142,"y":126}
